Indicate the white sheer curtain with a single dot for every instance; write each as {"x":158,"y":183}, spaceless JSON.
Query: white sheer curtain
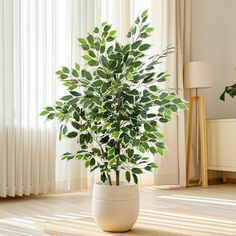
{"x":35,"y":38}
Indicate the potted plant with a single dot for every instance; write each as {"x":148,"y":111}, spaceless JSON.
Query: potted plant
{"x":113,"y":108}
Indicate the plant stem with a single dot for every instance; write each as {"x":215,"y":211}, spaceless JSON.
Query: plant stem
{"x":109,"y":179}
{"x":118,"y":160}
{"x":117,"y":178}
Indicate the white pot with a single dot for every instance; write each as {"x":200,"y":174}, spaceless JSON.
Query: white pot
{"x":115,"y":208}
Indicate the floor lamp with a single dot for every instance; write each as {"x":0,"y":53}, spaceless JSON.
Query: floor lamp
{"x":197,"y":76}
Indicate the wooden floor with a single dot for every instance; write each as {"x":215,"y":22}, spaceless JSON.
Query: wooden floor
{"x":210,"y":210}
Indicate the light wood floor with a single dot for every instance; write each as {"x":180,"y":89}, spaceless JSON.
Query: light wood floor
{"x":210,"y":210}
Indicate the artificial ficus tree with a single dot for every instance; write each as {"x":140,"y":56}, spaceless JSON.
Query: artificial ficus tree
{"x":114,"y":104}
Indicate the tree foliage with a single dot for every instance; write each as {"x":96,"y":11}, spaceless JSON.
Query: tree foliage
{"x":114,"y":104}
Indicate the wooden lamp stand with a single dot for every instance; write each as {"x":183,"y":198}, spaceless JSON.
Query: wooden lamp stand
{"x":200,"y":103}
{"x":197,"y":75}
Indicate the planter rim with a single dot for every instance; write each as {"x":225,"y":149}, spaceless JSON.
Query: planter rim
{"x":122,"y":185}
{"x":123,"y":192}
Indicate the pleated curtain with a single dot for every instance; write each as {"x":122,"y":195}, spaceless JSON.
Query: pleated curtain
{"x":176,"y":30}
{"x":35,"y":38}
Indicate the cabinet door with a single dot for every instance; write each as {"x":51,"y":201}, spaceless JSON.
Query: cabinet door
{"x":221,"y":136}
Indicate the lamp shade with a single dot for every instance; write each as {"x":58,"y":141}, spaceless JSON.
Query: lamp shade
{"x":197,"y":75}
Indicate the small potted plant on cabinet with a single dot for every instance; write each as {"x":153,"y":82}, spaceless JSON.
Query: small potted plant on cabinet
{"x":113,"y":108}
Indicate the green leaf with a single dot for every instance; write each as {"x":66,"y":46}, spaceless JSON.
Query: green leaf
{"x":137,"y":170}
{"x":96,"y":151}
{"x":116,"y":134}
{"x":93,"y":63}
{"x":143,"y":35}
{"x":92,"y":54}
{"x":102,"y":74}
{"x":75,"y":73}
{"x":182,"y":106}
{"x":76,"y":116}
{"x":130,"y":76}
{"x":49,"y":108}
{"x":66,"y":98}
{"x":127,"y":176}
{"x":82,"y":40}
{"x":65,"y":70}
{"x":153,"y":88}
{"x":63,"y":76}
{"x":96,"y":30}
{"x":72,"y":101}
{"x":149,"y":30}
{"x":75,"y":93}
{"x":85,"y":47}
{"x":87,"y":163}
{"x":128,"y":35}
{"x":123,"y":158}
{"x":137,"y":20}
{"x":160,"y":151}
{"x":147,"y":127}
{"x":144,"y":13}
{"x":107,"y":124}
{"x":153,"y":150}
{"x":102,"y":49}
{"x":130,"y":153}
{"x":141,"y":149}
{"x":72,"y":134}
{"x":97,"y":83}
{"x":136,"y":44}
{"x":109,"y":39}
{"x":87,"y":57}
{"x":43,"y":113}
{"x":103,"y":177}
{"x":112,"y":33}
{"x":64,"y":130}
{"x":135,"y":178}
{"x":59,"y":72}
{"x":92,"y":162}
{"x":97,"y":46}
{"x":76,"y":125}
{"x":107,"y":27}
{"x":90,"y":39}
{"x":136,"y":142}
{"x":105,"y":61}
{"x":144,"y":47}
{"x":134,"y":29}
{"x":144,"y":19}
{"x":86,"y":75}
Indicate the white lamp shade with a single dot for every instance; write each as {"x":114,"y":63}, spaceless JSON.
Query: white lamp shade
{"x":197,"y":74}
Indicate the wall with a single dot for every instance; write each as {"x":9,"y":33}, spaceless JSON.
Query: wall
{"x":214,"y":40}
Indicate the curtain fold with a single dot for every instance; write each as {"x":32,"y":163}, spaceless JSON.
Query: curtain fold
{"x":177,"y":32}
{"x":28,"y":59}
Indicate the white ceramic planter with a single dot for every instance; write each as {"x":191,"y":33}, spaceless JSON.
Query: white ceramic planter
{"x":115,"y":208}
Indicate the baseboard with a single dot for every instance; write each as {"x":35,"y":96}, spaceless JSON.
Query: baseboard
{"x":231,"y":180}
{"x":213,"y":181}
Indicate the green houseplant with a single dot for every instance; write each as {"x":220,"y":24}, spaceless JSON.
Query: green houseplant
{"x":114,"y":106}
{"x":230,"y":90}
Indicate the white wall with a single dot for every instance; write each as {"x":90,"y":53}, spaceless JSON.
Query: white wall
{"x":214,"y":40}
